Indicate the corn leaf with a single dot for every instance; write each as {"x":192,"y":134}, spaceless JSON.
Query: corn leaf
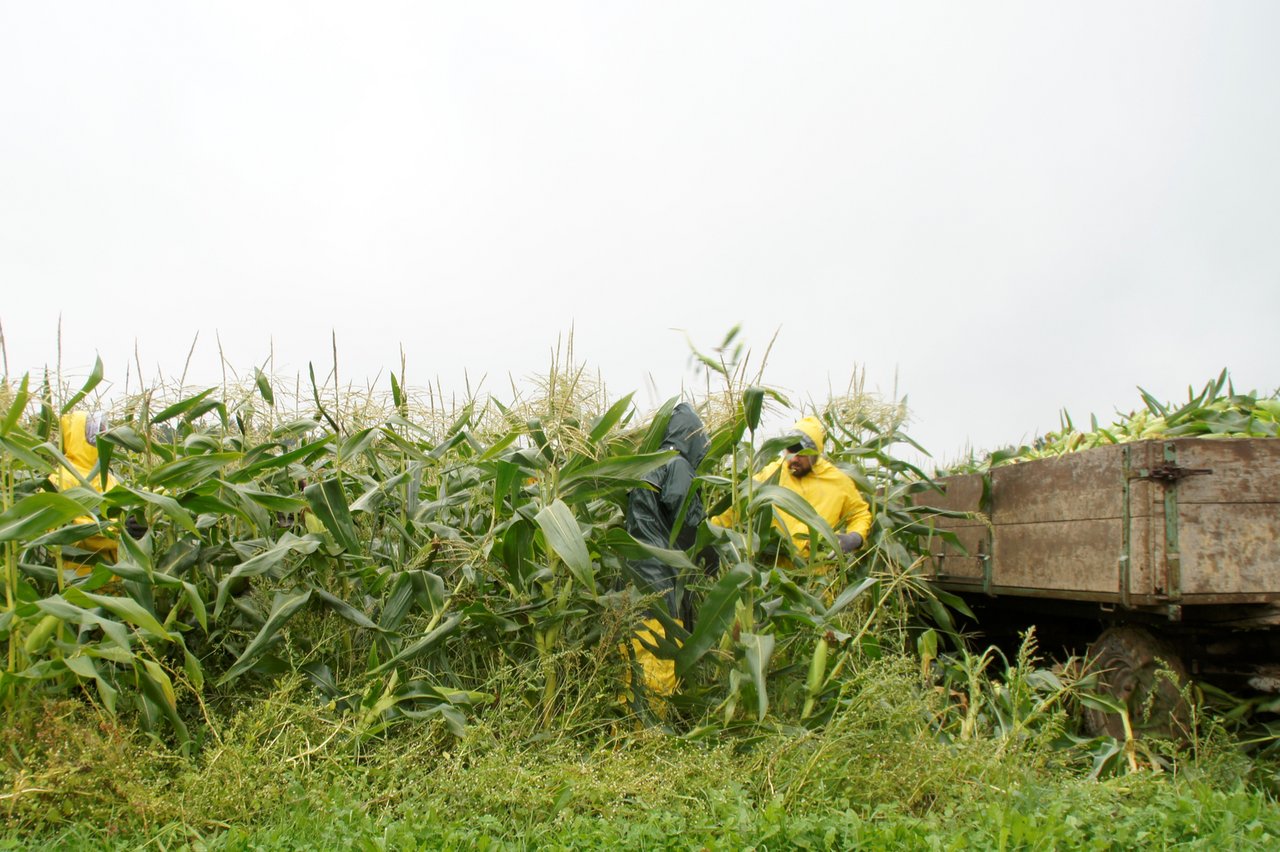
{"x":190,"y":471}
{"x":33,"y":516}
{"x":329,"y":502}
{"x":791,"y":503}
{"x":282,"y":609}
{"x":165,"y":504}
{"x":16,"y":408}
{"x":714,"y":617}
{"x":619,"y":470}
{"x":181,"y":406}
{"x":264,"y":387}
{"x":264,"y":562}
{"x":425,"y":644}
{"x":123,"y":608}
{"x":356,"y":444}
{"x":95,"y":376}
{"x":345,"y":609}
{"x":302,"y":454}
{"x":83,"y":666}
{"x":67,"y":611}
{"x":23,"y":447}
{"x":758,"y":648}
{"x":752,"y":406}
{"x":609,"y":419}
{"x":563,"y":536}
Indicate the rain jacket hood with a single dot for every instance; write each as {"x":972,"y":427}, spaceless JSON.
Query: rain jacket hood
{"x":811,"y":428}
{"x":686,"y":435}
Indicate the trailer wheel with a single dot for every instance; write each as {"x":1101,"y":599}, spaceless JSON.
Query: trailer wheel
{"x":1147,"y":675}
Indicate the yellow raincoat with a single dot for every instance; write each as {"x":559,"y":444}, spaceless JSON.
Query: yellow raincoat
{"x":83,"y":455}
{"x":825,"y":487}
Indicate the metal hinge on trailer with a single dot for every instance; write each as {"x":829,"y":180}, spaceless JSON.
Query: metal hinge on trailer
{"x":1168,"y":475}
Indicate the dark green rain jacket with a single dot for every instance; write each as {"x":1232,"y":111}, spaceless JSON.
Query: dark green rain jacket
{"x":652,"y":514}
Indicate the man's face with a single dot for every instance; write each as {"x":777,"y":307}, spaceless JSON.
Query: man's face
{"x":798,"y":460}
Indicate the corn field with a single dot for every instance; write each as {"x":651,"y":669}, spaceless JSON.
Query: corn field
{"x":420,"y":562}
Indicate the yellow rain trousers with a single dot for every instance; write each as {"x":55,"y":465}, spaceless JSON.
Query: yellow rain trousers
{"x":658,"y":675}
{"x":84,"y":457}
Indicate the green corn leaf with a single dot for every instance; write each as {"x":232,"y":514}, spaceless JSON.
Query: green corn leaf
{"x":122,"y":436}
{"x":182,"y":406}
{"x":609,"y":419}
{"x":752,"y":406}
{"x":138,"y":574}
{"x":16,"y":408}
{"x":421,"y":587}
{"x":189,"y":471}
{"x":622,"y":543}
{"x":356,"y":444}
{"x":658,"y":427}
{"x":33,"y":516}
{"x":267,"y":500}
{"x":496,"y":449}
{"x":849,"y":595}
{"x":23,"y":448}
{"x":264,"y":386}
{"x":193,"y":669}
{"x":563,"y":536}
{"x":329,"y":502}
{"x":616,"y":471}
{"x":164,"y":503}
{"x":67,"y":611}
{"x":263,"y":563}
{"x":345,"y":609}
{"x":95,"y":376}
{"x":126,"y":609}
{"x":158,"y":689}
{"x":302,"y":455}
{"x":714,"y":617}
{"x":425,"y":644}
{"x":758,"y":649}
{"x":375,"y":496}
{"x":83,"y":666}
{"x":44,"y":426}
{"x":397,"y":395}
{"x":282,"y":609}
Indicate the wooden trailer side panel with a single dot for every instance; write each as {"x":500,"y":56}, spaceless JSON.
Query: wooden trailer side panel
{"x":1094,"y":525}
{"x":1228,"y":520}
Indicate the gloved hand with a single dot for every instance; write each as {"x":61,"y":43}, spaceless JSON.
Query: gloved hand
{"x":135,"y":527}
{"x":849,"y":541}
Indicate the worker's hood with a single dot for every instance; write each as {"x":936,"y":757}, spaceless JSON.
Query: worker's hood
{"x":811,"y":428}
{"x":686,"y":434}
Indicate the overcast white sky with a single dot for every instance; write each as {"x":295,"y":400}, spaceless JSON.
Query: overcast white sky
{"x":1012,"y":207}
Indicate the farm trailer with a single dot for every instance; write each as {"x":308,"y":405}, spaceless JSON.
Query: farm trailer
{"x":1153,"y":554}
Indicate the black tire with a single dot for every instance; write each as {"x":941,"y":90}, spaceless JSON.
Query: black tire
{"x":1147,"y":675}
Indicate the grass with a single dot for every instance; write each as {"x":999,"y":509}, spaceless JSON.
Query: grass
{"x":283,"y":774}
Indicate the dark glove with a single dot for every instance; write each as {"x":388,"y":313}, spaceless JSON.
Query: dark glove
{"x":849,"y":542}
{"x":134,"y":527}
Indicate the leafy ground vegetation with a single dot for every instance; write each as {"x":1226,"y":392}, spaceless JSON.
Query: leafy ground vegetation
{"x":341,"y":621}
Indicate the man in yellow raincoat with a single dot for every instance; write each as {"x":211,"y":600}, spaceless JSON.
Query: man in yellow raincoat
{"x":831,"y":493}
{"x":79,"y":445}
